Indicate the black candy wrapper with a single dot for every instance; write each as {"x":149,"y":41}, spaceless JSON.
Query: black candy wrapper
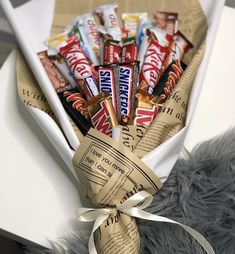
{"x":75,"y":106}
{"x":169,"y":78}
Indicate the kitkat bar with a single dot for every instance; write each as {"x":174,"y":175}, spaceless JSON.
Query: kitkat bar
{"x":111,"y":52}
{"x":80,"y":67}
{"x":169,"y":79}
{"x":108,"y":82}
{"x":129,"y":50}
{"x":75,"y":105}
{"x":167,"y":21}
{"x":102,"y":114}
{"x":178,"y":47}
{"x":58,"y":81}
{"x":157,"y":52}
{"x":128,"y":79}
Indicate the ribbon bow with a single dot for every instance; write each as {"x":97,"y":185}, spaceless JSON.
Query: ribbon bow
{"x":134,"y":207}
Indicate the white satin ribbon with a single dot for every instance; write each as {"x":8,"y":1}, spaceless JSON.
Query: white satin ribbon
{"x":134,"y":207}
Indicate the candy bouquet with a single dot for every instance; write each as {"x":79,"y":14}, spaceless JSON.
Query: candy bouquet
{"x":124,"y":79}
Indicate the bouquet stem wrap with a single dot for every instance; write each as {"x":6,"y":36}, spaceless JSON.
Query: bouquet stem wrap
{"x":122,"y":186}
{"x":111,"y":174}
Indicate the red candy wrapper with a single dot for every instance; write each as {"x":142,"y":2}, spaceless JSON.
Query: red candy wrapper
{"x":111,"y":52}
{"x":153,"y":61}
{"x":179,"y":46}
{"x":129,"y":50}
{"x":80,"y":68}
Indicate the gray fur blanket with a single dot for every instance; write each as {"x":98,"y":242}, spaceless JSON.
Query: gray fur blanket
{"x":200,"y":192}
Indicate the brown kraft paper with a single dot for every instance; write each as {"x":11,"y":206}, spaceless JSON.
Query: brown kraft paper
{"x":111,"y":174}
{"x":31,"y":94}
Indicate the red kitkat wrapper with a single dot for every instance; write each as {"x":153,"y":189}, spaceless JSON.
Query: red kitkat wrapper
{"x":152,"y":65}
{"x":80,"y":67}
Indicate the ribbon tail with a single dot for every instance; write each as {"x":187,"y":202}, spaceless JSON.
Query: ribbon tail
{"x":138,"y":213}
{"x":97,"y":224}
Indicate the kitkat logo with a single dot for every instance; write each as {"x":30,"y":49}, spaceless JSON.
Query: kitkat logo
{"x":77,"y":62}
{"x":153,"y":63}
{"x":101,"y":120}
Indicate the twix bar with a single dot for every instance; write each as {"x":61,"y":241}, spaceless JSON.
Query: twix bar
{"x":102,"y":114}
{"x":146,"y":108}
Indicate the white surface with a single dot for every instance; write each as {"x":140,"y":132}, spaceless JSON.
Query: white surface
{"x":37,"y":199}
{"x":25,"y":21}
{"x":215,"y":112}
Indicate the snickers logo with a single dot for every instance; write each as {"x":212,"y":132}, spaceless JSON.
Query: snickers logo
{"x":125,"y":88}
{"x":101,"y":120}
{"x":106,"y":81}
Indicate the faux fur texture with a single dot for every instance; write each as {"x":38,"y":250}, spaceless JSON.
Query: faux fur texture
{"x":200,"y":192}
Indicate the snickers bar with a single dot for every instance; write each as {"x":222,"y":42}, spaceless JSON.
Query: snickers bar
{"x":128,"y":79}
{"x":108,"y":82}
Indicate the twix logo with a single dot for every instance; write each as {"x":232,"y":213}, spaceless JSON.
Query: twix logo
{"x":173,"y":77}
{"x":101,"y":120}
{"x":145,"y":116}
{"x":77,"y":102}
